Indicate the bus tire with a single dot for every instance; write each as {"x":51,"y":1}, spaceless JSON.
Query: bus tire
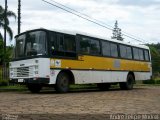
{"x":62,"y":83}
{"x":34,"y":88}
{"x":128,"y":85}
{"x":103,"y":86}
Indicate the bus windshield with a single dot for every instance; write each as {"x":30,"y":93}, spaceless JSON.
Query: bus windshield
{"x":31,"y":44}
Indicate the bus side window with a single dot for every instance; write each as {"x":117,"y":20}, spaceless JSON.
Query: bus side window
{"x":94,"y":47}
{"x":141,"y":56}
{"x":106,"y":49}
{"x":123,"y":51}
{"x":129,"y":53}
{"x":84,"y":45}
{"x":114,"y":50}
{"x":70,"y":43}
{"x":146,"y":55}
{"x":52,"y":40}
{"x":135,"y":53}
{"x":60,"y":43}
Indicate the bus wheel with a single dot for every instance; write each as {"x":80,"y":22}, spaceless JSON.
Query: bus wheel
{"x":34,"y":88}
{"x":62,"y":84}
{"x":103,"y":86}
{"x":129,"y":84}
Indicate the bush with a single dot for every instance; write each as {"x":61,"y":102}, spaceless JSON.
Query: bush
{"x":149,"y":82}
{"x":157,"y":81}
{"x":3,"y":82}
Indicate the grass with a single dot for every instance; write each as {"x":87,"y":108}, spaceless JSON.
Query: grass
{"x":157,"y":78}
{"x":153,"y":81}
{"x":83,"y":86}
{"x":22,"y":88}
{"x":12,"y":88}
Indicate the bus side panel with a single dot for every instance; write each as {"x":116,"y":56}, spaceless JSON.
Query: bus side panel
{"x":53,"y":76}
{"x":84,"y":77}
{"x":119,"y":76}
{"x":142,"y":75}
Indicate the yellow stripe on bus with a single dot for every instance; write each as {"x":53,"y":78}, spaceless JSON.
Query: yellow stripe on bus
{"x":101,"y":63}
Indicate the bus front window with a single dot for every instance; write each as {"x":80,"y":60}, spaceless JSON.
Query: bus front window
{"x":31,"y":44}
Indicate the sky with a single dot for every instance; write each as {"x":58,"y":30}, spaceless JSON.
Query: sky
{"x":140,"y":18}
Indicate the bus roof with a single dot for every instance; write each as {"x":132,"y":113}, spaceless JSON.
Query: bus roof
{"x":91,"y":35}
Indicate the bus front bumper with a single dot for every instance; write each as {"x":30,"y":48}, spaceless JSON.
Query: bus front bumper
{"x":30,"y":80}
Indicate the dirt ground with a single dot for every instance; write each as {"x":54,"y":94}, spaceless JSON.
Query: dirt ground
{"x":80,"y":104}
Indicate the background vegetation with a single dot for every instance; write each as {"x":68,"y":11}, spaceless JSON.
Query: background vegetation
{"x":155,"y":53}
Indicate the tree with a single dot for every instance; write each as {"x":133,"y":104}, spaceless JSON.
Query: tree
{"x":7,"y":56}
{"x":155,"y":57}
{"x":117,"y":34}
{"x":5,"y":53}
{"x":1,"y":52}
{"x":2,"y":21}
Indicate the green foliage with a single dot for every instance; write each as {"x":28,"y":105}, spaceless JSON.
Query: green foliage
{"x":8,"y":55}
{"x":3,"y":82}
{"x":13,"y":88}
{"x":117,"y":34}
{"x":2,"y":21}
{"x":155,"y":54}
{"x":157,"y":81}
{"x":151,"y":82}
{"x":1,"y":52}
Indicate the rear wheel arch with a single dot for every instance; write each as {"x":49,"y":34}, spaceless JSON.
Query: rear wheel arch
{"x":128,"y":85}
{"x":131,"y":73}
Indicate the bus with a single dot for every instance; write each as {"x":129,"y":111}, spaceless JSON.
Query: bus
{"x":59,"y":58}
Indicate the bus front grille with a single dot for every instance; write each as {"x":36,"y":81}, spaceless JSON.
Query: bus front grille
{"x":22,"y":72}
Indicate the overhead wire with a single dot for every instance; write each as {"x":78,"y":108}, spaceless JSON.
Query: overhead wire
{"x":95,"y":21}
{"x":80,"y":13}
{"x":75,"y":14}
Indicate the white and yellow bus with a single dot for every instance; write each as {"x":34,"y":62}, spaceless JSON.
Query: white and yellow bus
{"x":52,"y":58}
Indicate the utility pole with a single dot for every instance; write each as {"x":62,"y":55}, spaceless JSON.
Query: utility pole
{"x":19,"y":16}
{"x":4,"y":45}
{"x":5,"y":26}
